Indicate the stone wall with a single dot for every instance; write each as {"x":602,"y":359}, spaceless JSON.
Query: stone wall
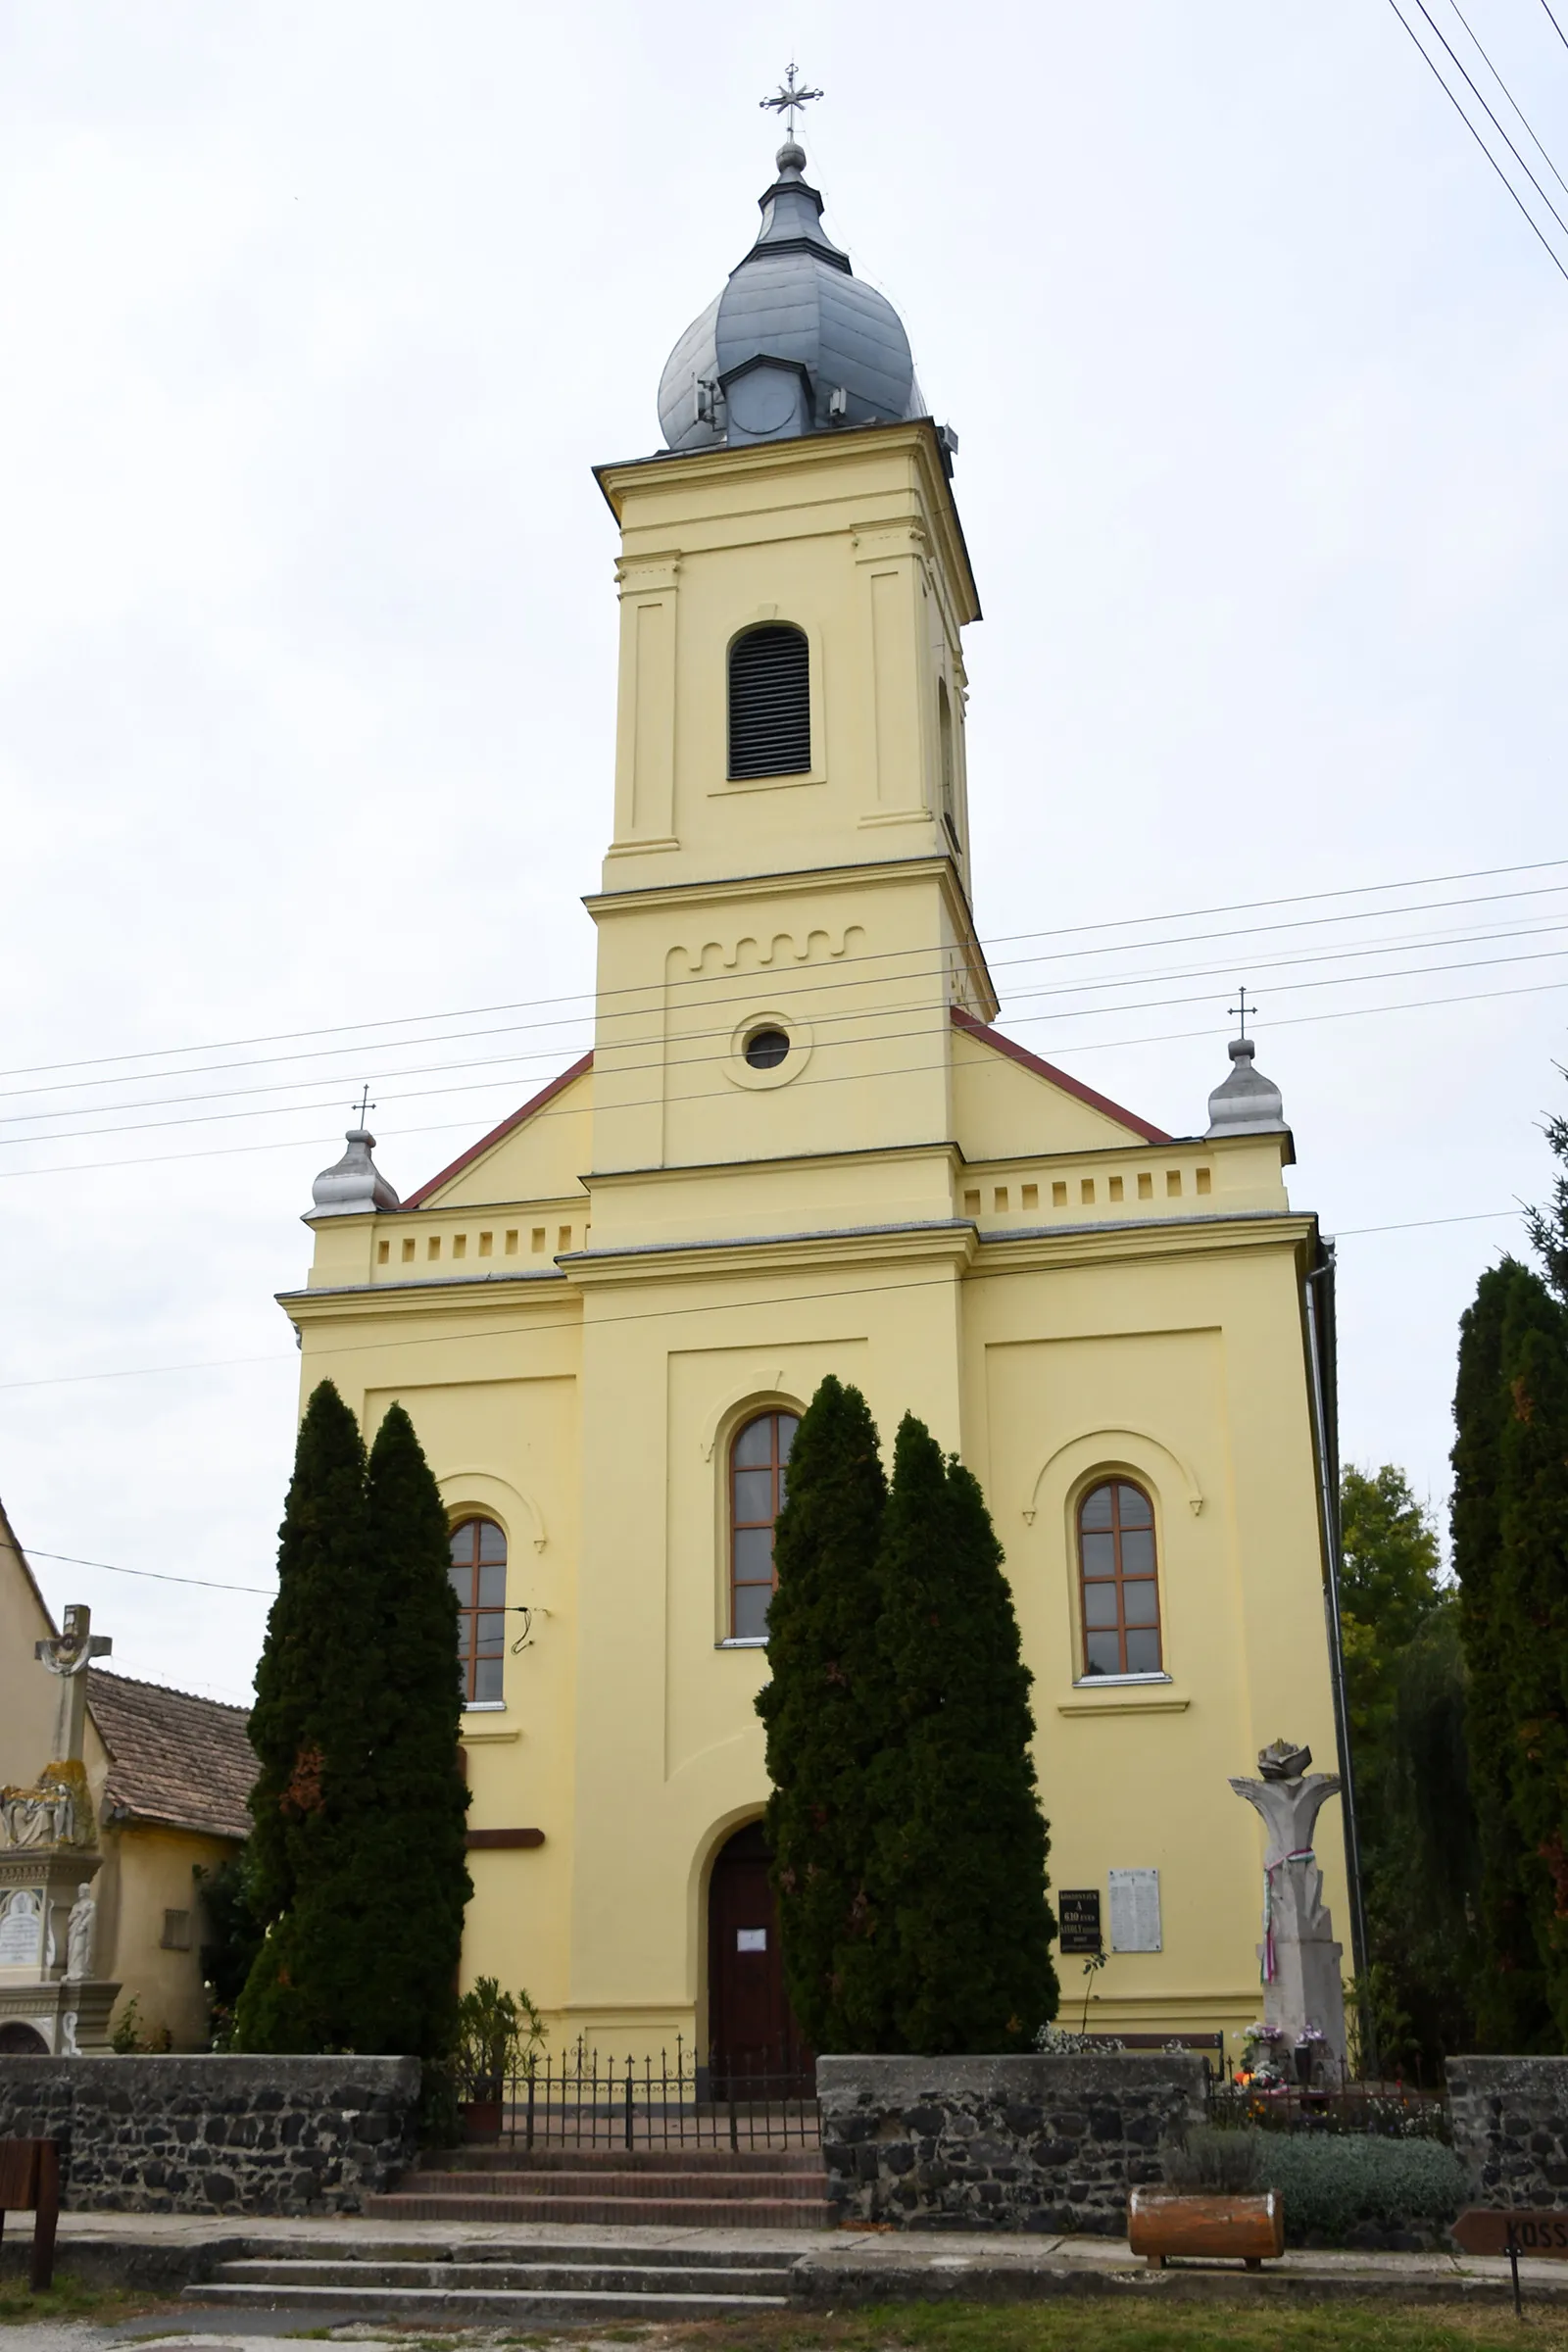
{"x":1001,"y":2143}
{"x":1510,"y":2127}
{"x":217,"y":2135}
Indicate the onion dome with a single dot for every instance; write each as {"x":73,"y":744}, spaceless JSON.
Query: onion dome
{"x":796,"y":343}
{"x":354,"y":1184}
{"x":1248,"y":1102}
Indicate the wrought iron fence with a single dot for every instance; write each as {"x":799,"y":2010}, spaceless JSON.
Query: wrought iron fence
{"x":579,"y":2098}
{"x":1392,"y":2110}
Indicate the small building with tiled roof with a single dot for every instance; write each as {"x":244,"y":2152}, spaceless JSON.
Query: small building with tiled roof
{"x":169,"y":1774}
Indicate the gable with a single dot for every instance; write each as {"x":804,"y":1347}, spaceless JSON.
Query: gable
{"x":536,"y":1152}
{"x":1008,"y":1102}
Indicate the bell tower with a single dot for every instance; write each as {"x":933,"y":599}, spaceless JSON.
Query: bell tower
{"x":784,"y":920}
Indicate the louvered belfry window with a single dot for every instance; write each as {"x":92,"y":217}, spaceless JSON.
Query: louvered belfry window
{"x":769,"y":702}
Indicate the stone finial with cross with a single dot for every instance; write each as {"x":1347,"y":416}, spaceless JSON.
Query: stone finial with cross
{"x":789,"y":98}
{"x":68,"y":1654}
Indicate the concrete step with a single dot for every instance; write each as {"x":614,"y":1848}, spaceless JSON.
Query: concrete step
{"x":510,"y":2157}
{"x":476,"y":2307}
{"x":604,"y":2272}
{"x":670,"y":2211}
{"x":608,"y":2180}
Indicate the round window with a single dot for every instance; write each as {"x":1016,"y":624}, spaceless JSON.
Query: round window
{"x":766,"y":1049}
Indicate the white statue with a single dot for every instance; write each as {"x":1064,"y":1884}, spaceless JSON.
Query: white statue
{"x":1304,"y":1998}
{"x":67,"y":2036}
{"x":78,"y":1934}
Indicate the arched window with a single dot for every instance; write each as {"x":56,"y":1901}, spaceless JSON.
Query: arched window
{"x":771,"y":702}
{"x":758,"y":1463}
{"x":479,"y":1581}
{"x":1118,"y":1581}
{"x":949,"y":799}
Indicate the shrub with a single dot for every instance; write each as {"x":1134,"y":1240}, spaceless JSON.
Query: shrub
{"x":1211,"y":2161}
{"x":1337,"y":2188}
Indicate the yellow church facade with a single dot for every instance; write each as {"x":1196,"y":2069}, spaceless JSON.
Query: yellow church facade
{"x":799,"y":1145}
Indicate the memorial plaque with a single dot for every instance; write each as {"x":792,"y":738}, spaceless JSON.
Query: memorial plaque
{"x":1078,"y":1910}
{"x":1485,"y":2229}
{"x":21,"y":1930}
{"x":1135,"y":1910}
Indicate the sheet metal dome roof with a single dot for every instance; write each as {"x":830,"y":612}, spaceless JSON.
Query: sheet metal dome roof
{"x":794,"y":343}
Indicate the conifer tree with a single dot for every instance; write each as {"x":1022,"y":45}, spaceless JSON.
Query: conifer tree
{"x":1534,"y":1528}
{"x":413,"y":1880}
{"x":826,"y":1716}
{"x":961,"y":1881}
{"x":1511,"y":2008}
{"x":312,"y":1728}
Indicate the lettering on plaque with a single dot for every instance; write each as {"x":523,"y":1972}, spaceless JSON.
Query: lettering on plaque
{"x":1134,"y":1910}
{"x":1078,"y":1910}
{"x":22,"y":1929}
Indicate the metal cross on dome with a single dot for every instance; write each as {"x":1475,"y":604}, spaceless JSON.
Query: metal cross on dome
{"x":363,"y":1105}
{"x":1242,"y":1010}
{"x":788,"y":99}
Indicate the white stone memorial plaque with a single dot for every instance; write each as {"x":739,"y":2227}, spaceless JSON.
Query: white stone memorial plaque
{"x":1135,"y":1911}
{"x":22,"y":1929}
{"x":751,"y":1940}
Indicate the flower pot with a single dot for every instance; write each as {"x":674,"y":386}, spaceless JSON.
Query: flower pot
{"x":481,"y":2120}
{"x":1246,"y":2228}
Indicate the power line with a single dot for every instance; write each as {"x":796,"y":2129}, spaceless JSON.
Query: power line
{"x":1485,"y":873}
{"x":799,"y":991}
{"x":869,"y":1035}
{"x":1508,"y":94}
{"x":156,"y":1576}
{"x":1453,"y":101}
{"x":1350,"y":1012}
{"x":1555,"y":26}
{"x":1490,"y":117}
{"x":798,"y":987}
{"x":1177,"y":1227}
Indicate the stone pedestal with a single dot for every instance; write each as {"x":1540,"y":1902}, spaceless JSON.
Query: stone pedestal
{"x":1302,"y":1992}
{"x":46,"y":1924}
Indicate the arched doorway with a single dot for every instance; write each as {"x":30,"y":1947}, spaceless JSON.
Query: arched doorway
{"x":750,"y":2028}
{"x":18,"y":2041}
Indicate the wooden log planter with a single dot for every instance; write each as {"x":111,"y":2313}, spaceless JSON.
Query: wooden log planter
{"x":1249,"y":2228}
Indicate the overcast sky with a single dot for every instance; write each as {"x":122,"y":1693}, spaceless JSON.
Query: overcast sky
{"x":316,"y":319}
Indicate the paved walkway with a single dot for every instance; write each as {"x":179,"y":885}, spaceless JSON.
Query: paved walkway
{"x":841,"y":2266}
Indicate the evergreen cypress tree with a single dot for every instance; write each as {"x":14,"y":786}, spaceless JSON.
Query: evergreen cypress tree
{"x":960,"y":1878}
{"x":409,"y":1870}
{"x":312,"y":1728}
{"x":1511,"y":2008}
{"x":826,"y":1717}
{"x":1534,"y":1527}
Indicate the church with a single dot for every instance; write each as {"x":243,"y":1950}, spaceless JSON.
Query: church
{"x":799,"y":1145}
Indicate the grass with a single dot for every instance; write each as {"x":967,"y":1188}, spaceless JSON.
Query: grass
{"x":73,"y":2299}
{"x":1102,"y":2324}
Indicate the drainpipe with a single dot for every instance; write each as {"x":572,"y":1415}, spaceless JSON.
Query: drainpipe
{"x":1320,"y":1357}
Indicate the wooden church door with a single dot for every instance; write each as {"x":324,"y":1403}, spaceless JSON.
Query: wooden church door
{"x":752,"y":2030}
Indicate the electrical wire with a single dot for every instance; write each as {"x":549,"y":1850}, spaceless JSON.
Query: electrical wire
{"x":1508,"y":94}
{"x":1555,"y":26}
{"x":588,"y":995}
{"x":799,"y":988}
{"x":1490,"y":117}
{"x":866,"y":1036}
{"x":1177,"y":1228}
{"x":1455,"y":102}
{"x":151,"y":1159}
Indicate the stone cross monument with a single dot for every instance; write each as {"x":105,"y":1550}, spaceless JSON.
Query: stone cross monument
{"x":49,"y":1999}
{"x":1303,"y":1998}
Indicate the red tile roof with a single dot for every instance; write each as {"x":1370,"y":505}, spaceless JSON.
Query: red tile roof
{"x":174,"y":1757}
{"x":514,"y":1119}
{"x":1047,"y":1069}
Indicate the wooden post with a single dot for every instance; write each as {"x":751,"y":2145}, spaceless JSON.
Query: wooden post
{"x":29,"y":2182}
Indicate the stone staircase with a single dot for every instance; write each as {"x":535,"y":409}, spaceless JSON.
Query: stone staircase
{"x":695,"y":2189}
{"x":477,"y":2285}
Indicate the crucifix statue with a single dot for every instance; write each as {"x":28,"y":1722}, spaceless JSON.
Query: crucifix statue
{"x":68,"y":1654}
